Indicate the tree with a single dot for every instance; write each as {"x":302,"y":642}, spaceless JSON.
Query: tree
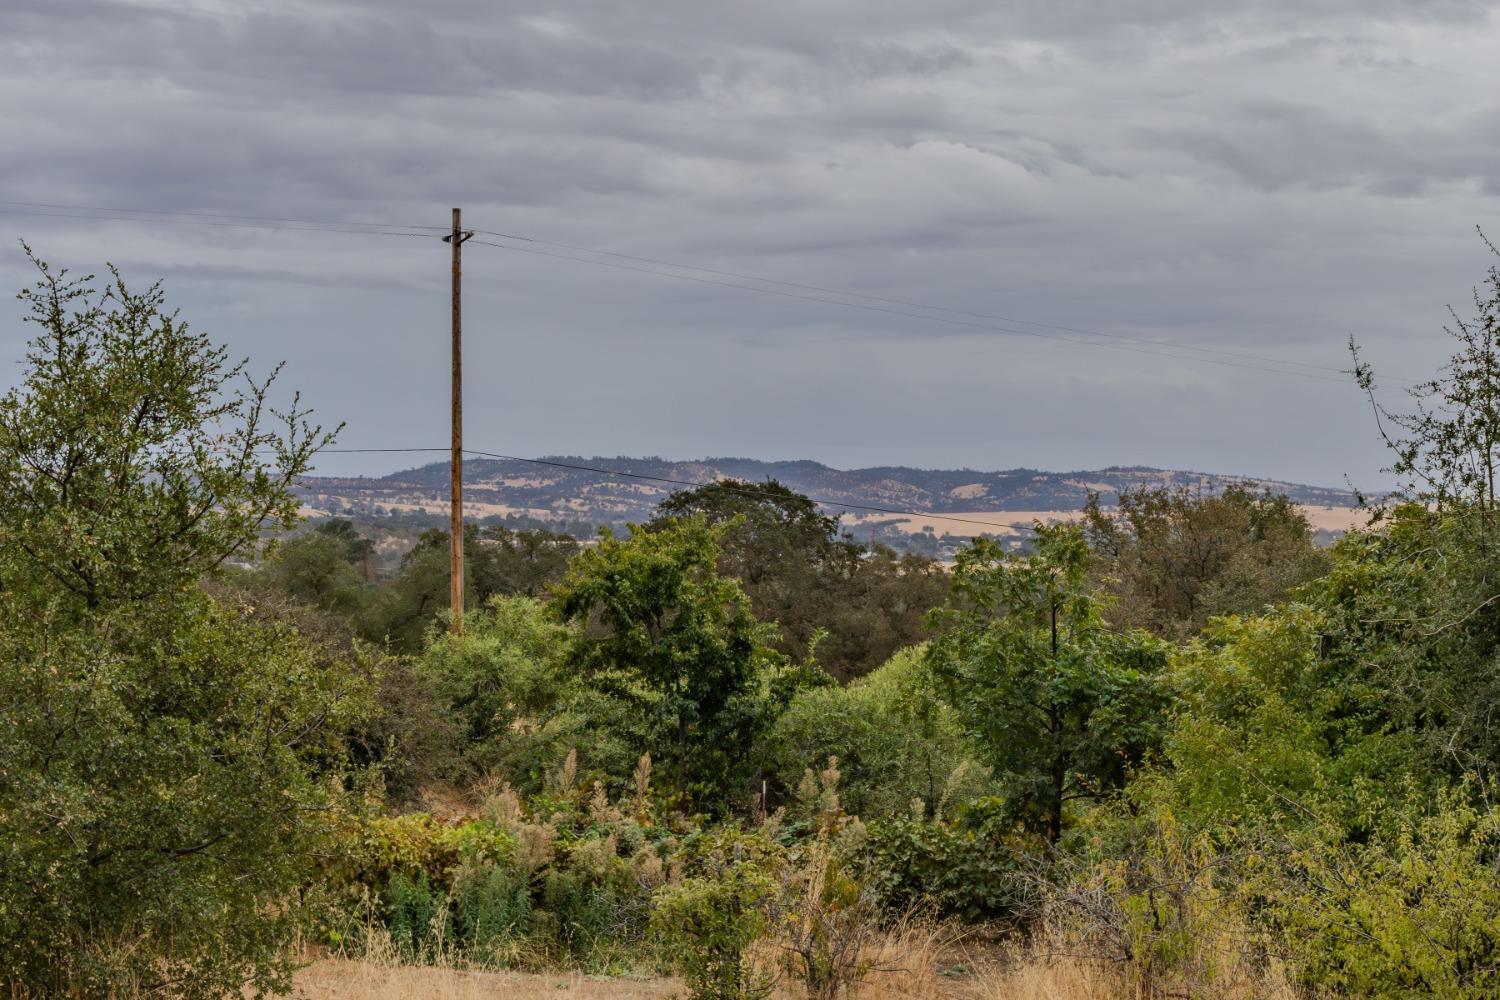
{"x":1059,"y":705}
{"x":894,"y":738}
{"x":126,"y":420}
{"x":498,"y":561}
{"x":1450,"y":456}
{"x":1426,"y":631}
{"x":666,"y":629}
{"x":1172,"y":559}
{"x":504,"y":561}
{"x":353,"y":548}
{"x":160,"y":751}
{"x":314,"y":568}
{"x":859,"y":606}
{"x":503,"y":677}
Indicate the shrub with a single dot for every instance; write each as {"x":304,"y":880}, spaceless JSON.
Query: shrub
{"x":416,"y":915}
{"x":967,"y":868}
{"x":165,"y":759}
{"x":492,"y":909}
{"x":1417,"y":914}
{"x":709,"y":923}
{"x":895,"y":740}
{"x":828,"y":919}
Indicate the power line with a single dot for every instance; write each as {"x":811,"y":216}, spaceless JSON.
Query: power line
{"x":907,"y":302}
{"x":314,"y":228}
{"x":217,"y":215}
{"x":912,"y":315}
{"x":1147,"y":347}
{"x":599,"y":470}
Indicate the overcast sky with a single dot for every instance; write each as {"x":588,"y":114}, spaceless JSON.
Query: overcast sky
{"x":1259,"y":178}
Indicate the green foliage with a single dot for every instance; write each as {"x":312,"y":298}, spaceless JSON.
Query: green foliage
{"x":130,"y":454}
{"x":498,"y":562}
{"x":1166,"y":905}
{"x":480,"y":918}
{"x":1059,"y":705}
{"x":823,"y":590}
{"x":709,"y":923}
{"x":415,"y":844}
{"x":676,"y":638}
{"x":492,"y":908}
{"x":415,"y":916}
{"x":503,"y":676}
{"x":164,"y":757}
{"x":970,"y":867}
{"x":895,"y":740}
{"x":1171,"y":559}
{"x":1417,"y":914}
{"x":1450,"y":454}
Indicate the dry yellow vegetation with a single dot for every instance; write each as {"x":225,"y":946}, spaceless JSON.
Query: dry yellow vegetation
{"x":916,"y":962}
{"x":1038,"y":979}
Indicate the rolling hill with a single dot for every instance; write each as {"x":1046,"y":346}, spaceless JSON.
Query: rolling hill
{"x":572,"y":489}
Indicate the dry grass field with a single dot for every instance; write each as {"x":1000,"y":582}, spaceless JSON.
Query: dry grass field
{"x":916,"y":963}
{"x":1065,"y":979}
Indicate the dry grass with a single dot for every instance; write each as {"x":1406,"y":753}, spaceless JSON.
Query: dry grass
{"x":919,"y":978}
{"x":916,"y":961}
{"x":342,"y":979}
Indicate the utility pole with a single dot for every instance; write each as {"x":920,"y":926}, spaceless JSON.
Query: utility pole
{"x":456,"y":462}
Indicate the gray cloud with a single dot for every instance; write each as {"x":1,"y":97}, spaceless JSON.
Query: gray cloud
{"x":1259,"y":178}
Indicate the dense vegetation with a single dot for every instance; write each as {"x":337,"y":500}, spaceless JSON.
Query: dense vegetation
{"x":1179,"y":737}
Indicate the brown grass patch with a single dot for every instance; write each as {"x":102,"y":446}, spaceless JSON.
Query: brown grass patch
{"x":344,"y":979}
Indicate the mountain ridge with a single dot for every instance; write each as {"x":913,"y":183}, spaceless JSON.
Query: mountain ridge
{"x":567,"y":486}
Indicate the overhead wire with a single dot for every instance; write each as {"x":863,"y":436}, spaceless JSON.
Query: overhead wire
{"x":945,"y":314}
{"x":311,"y":227}
{"x":908,"y":302}
{"x":911,"y":315}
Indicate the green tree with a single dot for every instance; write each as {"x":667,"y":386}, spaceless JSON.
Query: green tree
{"x":506,"y":561}
{"x":1173,"y":559}
{"x":667,"y":630}
{"x":1416,"y":616}
{"x":498,"y":561}
{"x":353,"y":548}
{"x":895,"y":740}
{"x":799,"y":570}
{"x":1447,"y":449}
{"x":504,"y":676}
{"x":159,"y":750}
{"x":1059,"y":705}
{"x":314,"y":568}
{"x":133,"y":448}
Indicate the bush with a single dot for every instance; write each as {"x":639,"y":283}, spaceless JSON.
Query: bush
{"x":828,"y":918}
{"x":967,"y":868}
{"x":709,"y":923}
{"x":1417,"y":914}
{"x":894,"y":738}
{"x":492,"y":907}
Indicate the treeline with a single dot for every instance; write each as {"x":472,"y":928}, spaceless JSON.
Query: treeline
{"x":1177,"y":738}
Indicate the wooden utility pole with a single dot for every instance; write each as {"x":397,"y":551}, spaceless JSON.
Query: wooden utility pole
{"x":456,"y":462}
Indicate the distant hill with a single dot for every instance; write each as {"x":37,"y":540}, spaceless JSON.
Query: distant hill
{"x":495,"y":487}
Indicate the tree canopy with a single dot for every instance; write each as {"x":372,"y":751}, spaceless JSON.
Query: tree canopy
{"x":160,"y":751}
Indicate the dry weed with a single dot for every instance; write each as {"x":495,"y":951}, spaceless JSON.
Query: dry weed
{"x":334,"y":979}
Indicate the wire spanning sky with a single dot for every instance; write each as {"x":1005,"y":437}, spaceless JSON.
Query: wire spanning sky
{"x":1221,"y":179}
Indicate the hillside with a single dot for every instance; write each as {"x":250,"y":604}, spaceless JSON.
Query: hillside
{"x":555,"y":493}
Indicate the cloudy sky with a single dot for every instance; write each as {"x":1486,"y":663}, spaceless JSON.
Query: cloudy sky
{"x":1103,"y":222}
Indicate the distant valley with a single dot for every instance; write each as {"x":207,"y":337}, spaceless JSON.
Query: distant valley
{"x":946,"y":506}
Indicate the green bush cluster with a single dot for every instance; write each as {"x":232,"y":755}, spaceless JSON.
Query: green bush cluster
{"x":568,"y":878}
{"x":971,"y":867}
